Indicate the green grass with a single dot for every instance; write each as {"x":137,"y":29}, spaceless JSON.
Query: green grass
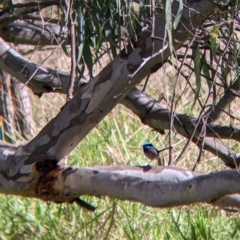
{"x":33,"y":219}
{"x":114,"y":143}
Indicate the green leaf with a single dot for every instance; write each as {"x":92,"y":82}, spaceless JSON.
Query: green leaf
{"x":81,"y":33}
{"x":168,"y":15}
{"x":98,"y":37}
{"x":178,"y":16}
{"x":65,"y":48}
{"x":206,"y":72}
{"x":213,"y":41}
{"x":87,"y":56}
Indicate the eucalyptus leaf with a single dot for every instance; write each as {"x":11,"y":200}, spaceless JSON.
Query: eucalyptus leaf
{"x":179,"y":15}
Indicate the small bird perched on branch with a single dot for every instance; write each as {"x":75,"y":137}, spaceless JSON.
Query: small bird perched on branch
{"x":152,"y":153}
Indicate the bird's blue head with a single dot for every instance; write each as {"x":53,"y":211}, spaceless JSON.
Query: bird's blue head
{"x":147,"y":146}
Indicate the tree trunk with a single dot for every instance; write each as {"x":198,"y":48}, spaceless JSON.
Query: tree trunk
{"x":15,"y":110}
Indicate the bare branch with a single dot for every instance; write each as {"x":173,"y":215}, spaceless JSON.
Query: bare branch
{"x":80,"y":115}
{"x":154,"y":115}
{"x":122,"y":184}
{"x":225,"y":101}
{"x":156,"y":187}
{"x":42,"y":79}
{"x":71,"y":26}
{"x":20,"y":9}
{"x":20,"y":32}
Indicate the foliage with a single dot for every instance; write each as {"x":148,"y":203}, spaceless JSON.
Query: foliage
{"x":102,"y":27}
{"x":23,"y":218}
{"x":208,"y":65}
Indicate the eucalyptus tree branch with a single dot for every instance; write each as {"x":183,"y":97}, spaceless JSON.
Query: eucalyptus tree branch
{"x":21,"y":32}
{"x":47,"y":80}
{"x":156,"y":187}
{"x":122,"y":184}
{"x":42,"y":79}
{"x":21,"y":9}
{"x":154,"y":115}
{"x":38,"y":169}
{"x":225,"y":101}
{"x":99,"y":96}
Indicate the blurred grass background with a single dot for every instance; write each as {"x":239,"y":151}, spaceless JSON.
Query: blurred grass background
{"x":117,"y":140}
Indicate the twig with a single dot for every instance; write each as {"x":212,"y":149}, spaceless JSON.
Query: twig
{"x":145,"y":84}
{"x":73,"y":49}
{"x":172,"y":108}
{"x":201,"y":148}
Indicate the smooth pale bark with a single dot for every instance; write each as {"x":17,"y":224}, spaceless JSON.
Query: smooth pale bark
{"x":38,"y":169}
{"x":98,"y":97}
{"x":156,"y":117}
{"x":148,"y":187}
{"x":152,"y":186}
{"x":39,"y":79}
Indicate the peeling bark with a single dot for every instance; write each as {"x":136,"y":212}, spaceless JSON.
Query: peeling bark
{"x":99,"y":96}
{"x":38,"y":169}
{"x":156,"y":187}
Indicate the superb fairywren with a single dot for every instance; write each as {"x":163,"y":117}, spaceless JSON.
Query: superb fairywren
{"x":152,"y":153}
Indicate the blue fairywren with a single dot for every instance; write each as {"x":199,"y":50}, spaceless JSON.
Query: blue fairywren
{"x":152,"y":153}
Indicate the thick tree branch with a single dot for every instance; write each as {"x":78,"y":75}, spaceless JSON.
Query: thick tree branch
{"x":20,"y":32}
{"x":124,"y":185}
{"x":225,"y":101}
{"x":46,"y":80}
{"x":39,"y":79}
{"x":38,"y":170}
{"x":80,"y":115}
{"x":20,"y":9}
{"x":55,"y":81}
{"x":154,"y":115}
{"x":156,"y":187}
